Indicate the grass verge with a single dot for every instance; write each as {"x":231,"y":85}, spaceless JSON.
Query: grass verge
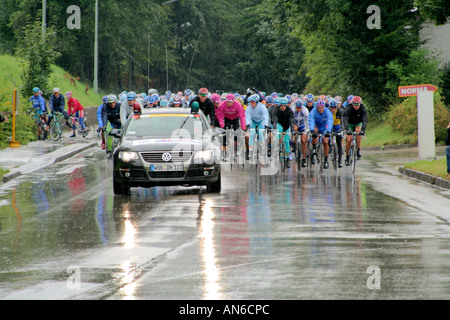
{"x":437,"y":168}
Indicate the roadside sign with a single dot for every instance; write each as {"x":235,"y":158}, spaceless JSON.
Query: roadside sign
{"x":409,"y":91}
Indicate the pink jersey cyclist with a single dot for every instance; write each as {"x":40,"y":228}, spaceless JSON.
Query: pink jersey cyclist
{"x":228,"y":112}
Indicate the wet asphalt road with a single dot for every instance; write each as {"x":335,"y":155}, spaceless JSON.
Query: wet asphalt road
{"x":64,"y":235}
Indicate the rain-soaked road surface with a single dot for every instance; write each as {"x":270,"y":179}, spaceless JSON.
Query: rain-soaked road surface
{"x":64,"y":235}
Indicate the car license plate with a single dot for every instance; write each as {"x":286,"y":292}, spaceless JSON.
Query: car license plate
{"x":166,"y":167}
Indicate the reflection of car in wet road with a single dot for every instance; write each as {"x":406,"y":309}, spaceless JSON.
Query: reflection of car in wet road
{"x":166,"y":147}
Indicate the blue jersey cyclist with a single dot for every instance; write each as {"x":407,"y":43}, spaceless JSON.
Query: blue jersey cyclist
{"x":321,"y":121}
{"x":38,"y":101}
{"x":310,"y":104}
{"x":301,"y":115}
{"x":256,"y":115}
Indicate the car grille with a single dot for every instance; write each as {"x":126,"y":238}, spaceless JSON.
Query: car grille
{"x":156,"y":156}
{"x":167,"y":174}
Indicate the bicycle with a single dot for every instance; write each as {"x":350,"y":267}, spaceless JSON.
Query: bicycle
{"x":352,"y":152}
{"x":334,"y":149}
{"x":282,"y":152}
{"x":298,"y":147}
{"x":259,"y":147}
{"x":56,"y":127}
{"x":40,"y":122}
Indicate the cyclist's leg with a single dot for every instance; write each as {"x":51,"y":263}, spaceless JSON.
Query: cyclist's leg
{"x":358,"y":139}
{"x":109,"y":139}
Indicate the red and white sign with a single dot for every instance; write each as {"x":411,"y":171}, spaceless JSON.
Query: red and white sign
{"x":409,"y":91}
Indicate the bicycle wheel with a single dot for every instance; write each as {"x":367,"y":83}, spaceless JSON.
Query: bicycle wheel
{"x":41,"y":132}
{"x":320,"y":156}
{"x":353,"y":159}
{"x":298,"y":155}
{"x":282,"y":157}
{"x":334,"y":154}
{"x":55,"y":131}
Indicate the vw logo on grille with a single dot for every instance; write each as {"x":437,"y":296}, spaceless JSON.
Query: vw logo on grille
{"x":167,"y":157}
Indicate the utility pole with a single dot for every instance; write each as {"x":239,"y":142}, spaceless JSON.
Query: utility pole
{"x":96,"y":49}
{"x":44,"y":18}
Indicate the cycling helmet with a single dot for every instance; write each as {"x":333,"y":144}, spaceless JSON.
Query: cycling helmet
{"x":298,"y":103}
{"x":122,"y":97}
{"x":152,"y":91}
{"x":230,"y":97}
{"x":284,"y":101}
{"x":69,"y":94}
{"x":239,"y":99}
{"x":131,"y":96}
{"x":320,"y":103}
{"x":253,"y":97}
{"x":356,"y":100}
{"x":203,"y":91}
{"x":215,"y":98}
{"x":176,"y":100}
{"x":163,"y":103}
{"x":333,"y":103}
{"x":349,"y":98}
{"x":56,"y":90}
{"x":36,"y":89}
{"x":338,"y":99}
{"x":112,"y":98}
{"x":269,"y":99}
{"x":310,"y":98}
{"x":223,"y":97}
{"x":187,"y":92}
{"x":289,"y":98}
{"x":274,"y":94}
{"x":276,"y":100}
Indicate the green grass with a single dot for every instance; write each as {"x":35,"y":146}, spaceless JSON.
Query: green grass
{"x":379,"y":135}
{"x":10,"y":79}
{"x":437,"y":168}
{"x":2,"y":173}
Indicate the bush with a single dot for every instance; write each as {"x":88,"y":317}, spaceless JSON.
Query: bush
{"x":403,"y":117}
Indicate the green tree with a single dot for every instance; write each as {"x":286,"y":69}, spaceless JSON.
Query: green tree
{"x":36,"y":55}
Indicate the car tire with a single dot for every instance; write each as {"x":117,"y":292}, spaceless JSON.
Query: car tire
{"x":215,"y":187}
{"x":120,"y":189}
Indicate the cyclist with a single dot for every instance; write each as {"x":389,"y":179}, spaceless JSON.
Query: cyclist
{"x":110,"y":115}
{"x":321,"y":121}
{"x":176,"y":103}
{"x":309,"y":102}
{"x":126,"y":108}
{"x":338,"y":113}
{"x":301,"y":115}
{"x":250,"y":92}
{"x":206,"y":105}
{"x":100,"y":121}
{"x":256,"y":115}
{"x":354,"y":120}
{"x":347,"y":102}
{"x":75,"y":108}
{"x":39,"y":103}
{"x":229,"y":114}
{"x":187,"y":98}
{"x":283,"y":121}
{"x":57,"y":103}
{"x":215,"y":98}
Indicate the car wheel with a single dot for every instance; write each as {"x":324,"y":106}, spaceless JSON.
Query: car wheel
{"x":215,"y":187}
{"x":120,"y":189}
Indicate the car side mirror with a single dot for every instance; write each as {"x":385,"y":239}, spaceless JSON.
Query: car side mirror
{"x":217,"y":132}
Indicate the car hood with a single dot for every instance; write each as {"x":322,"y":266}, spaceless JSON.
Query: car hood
{"x":164,"y":144}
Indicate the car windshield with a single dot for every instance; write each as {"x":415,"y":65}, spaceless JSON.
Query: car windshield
{"x":150,"y":125}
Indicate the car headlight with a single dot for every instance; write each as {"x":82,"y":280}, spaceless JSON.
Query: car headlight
{"x":127,"y":156}
{"x":206,"y":156}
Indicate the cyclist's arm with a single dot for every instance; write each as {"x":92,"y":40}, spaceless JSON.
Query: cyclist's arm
{"x":100,"y":116}
{"x":241,"y":116}
{"x":364,"y":118}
